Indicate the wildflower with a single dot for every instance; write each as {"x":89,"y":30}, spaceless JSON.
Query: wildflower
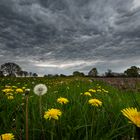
{"x":52,"y":114}
{"x":22,"y":104}
{"x":8,"y":94}
{"x":90,"y":80}
{"x":7,"y":86}
{"x":33,"y":82}
{"x":87,"y":94}
{"x":62,"y":100}
{"x":14,"y":87}
{"x":6,"y":90}
{"x":133,"y":115}
{"x":92,"y":90}
{"x":10,"y":97}
{"x":27,"y":91}
{"x":7,"y":136}
{"x":104,"y":90}
{"x":40,"y":89}
{"x":55,"y":91}
{"x":99,"y":90}
{"x":23,"y":87}
{"x":19,"y":90}
{"x":95,"y":102}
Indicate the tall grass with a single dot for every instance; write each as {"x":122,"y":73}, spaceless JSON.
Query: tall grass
{"x":79,"y":120}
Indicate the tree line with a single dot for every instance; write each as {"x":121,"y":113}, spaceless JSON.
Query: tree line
{"x":14,"y":70}
{"x":133,"y":71}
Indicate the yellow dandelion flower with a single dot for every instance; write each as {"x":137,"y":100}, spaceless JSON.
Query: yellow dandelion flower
{"x":99,"y":90}
{"x":7,"y":136}
{"x":8,"y":94}
{"x":52,"y":114}
{"x":133,"y":115}
{"x":87,"y":94}
{"x":7,"y":90}
{"x":104,"y":90}
{"x":92,"y":90}
{"x":8,"y":86}
{"x":10,"y":97}
{"x":62,"y":100}
{"x":95,"y":102}
{"x":19,"y":90}
{"x":14,"y":86}
{"x":23,"y":87}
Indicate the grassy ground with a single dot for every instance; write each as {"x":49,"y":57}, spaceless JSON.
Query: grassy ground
{"x":79,"y":119}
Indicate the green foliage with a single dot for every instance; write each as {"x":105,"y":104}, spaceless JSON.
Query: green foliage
{"x":77,"y":73}
{"x":133,"y":71}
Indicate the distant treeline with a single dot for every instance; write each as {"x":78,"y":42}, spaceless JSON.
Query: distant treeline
{"x":14,"y":70}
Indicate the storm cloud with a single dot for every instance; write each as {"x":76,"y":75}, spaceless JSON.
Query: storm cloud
{"x":61,"y":36}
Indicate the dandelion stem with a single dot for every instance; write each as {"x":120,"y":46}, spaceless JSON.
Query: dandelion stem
{"x":40,"y":110}
{"x":52,"y":136}
{"x":27,"y":135}
{"x":137,"y":133}
{"x":92,"y":122}
{"x":40,"y":106}
{"x":20,"y":134}
{"x":53,"y":126}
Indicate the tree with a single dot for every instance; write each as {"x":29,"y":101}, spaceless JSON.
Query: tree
{"x":77,"y":73}
{"x":109,"y":73}
{"x":35,"y":75}
{"x":10,"y":69}
{"x":62,"y":75}
{"x":30,"y":74}
{"x":93,"y":72}
{"x":23,"y":73}
{"x":1,"y":74}
{"x":133,"y":71}
{"x":45,"y":75}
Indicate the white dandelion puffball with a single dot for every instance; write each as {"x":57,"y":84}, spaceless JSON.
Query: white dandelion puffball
{"x":40,"y":89}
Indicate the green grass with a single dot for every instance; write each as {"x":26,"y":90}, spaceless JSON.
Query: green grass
{"x":79,"y":120}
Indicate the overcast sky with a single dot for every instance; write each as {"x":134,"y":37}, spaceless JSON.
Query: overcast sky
{"x":62,"y":36}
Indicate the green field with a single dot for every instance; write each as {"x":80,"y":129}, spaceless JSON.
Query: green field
{"x":79,"y":120}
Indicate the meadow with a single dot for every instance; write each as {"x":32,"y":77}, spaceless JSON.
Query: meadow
{"x":78,"y":118}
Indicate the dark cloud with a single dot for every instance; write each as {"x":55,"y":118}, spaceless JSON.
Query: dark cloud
{"x":65,"y":35}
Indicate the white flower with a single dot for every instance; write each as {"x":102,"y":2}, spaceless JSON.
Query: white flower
{"x":27,"y":91}
{"x":40,"y":89}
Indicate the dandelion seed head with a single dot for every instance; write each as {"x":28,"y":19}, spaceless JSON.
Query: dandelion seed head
{"x":40,"y":89}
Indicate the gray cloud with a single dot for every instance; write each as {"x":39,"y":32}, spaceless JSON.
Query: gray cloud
{"x":62,"y":36}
